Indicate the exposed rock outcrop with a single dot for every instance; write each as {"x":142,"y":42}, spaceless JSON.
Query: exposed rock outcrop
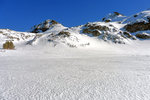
{"x":64,"y":34}
{"x":139,"y":26}
{"x":138,"y":22}
{"x":94,"y":29}
{"x":44,"y":26}
{"x":143,"y":36}
{"x":107,"y":32}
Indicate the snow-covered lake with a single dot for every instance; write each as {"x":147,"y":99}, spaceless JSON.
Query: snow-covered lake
{"x":111,"y":73}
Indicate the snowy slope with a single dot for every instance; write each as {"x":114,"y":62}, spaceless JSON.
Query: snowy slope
{"x":112,"y":73}
{"x":16,"y":37}
{"x":143,"y":16}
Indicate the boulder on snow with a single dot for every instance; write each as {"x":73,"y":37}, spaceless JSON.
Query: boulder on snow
{"x":1,"y":32}
{"x":8,"y":45}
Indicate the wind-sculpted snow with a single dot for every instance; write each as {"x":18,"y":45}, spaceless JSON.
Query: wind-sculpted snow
{"x":112,"y":72}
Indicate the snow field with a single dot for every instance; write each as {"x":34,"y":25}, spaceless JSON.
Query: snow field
{"x":116,"y":72}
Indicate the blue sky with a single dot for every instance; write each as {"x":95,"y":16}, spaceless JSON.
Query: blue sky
{"x":21,"y":15}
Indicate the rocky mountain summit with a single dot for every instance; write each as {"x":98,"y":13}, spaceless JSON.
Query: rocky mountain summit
{"x":44,"y":26}
{"x":114,"y":17}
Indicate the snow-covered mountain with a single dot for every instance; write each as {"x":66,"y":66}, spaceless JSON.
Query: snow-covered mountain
{"x":84,"y":35}
{"x":114,"y":28}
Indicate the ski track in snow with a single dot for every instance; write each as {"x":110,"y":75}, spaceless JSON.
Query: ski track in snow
{"x":75,"y":74}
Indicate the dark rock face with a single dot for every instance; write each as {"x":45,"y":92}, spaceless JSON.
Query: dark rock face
{"x":140,"y":26}
{"x":143,"y":36}
{"x":135,"y":15}
{"x":93,"y":32}
{"x":116,"y":13}
{"x":99,"y":27}
{"x":64,"y":34}
{"x":108,"y":20}
{"x":128,"y":35}
{"x":43,"y":26}
{"x":94,"y":29}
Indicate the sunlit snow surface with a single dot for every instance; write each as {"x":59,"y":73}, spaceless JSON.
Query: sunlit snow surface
{"x":139,"y":17}
{"x":110,"y":72}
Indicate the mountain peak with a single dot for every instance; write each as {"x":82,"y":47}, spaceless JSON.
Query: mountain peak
{"x":44,"y":26}
{"x":115,"y":16}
